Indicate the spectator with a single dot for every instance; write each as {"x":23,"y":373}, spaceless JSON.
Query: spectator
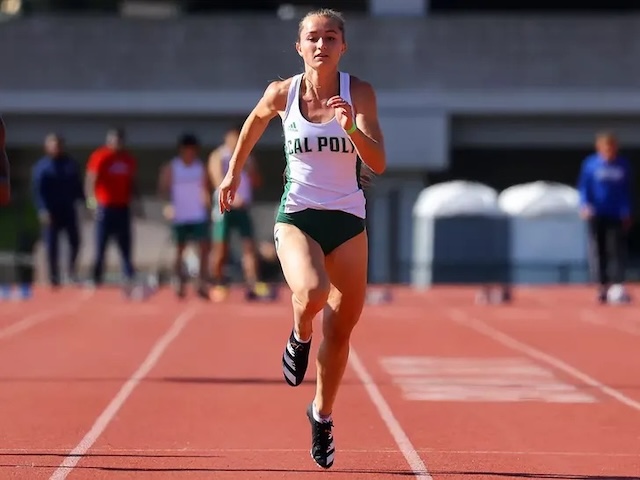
{"x":237,"y":218}
{"x":605,"y":201}
{"x":184,"y":182}
{"x":110,"y":189}
{"x":57,"y":187}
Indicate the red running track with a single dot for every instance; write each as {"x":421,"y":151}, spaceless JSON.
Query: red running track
{"x":100,"y":388}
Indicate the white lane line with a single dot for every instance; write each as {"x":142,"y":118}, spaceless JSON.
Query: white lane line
{"x":479,"y":326}
{"x":109,"y":413}
{"x":418,"y":468}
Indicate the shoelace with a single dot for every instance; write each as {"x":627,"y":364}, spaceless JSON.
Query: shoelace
{"x":323,"y":430}
{"x":296,"y":346}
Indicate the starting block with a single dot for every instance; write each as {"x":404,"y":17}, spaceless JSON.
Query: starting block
{"x":494,"y":295}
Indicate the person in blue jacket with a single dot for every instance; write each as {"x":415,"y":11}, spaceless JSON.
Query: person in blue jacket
{"x":57,"y":187}
{"x":605,"y":203}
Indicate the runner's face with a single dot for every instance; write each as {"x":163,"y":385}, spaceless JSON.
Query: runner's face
{"x":321,"y":43}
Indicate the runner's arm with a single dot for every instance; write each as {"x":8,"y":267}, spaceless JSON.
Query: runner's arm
{"x":368,"y":138}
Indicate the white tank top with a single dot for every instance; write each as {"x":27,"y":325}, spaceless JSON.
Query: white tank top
{"x":244,"y":194}
{"x":323,"y":167}
{"x":186,"y":191}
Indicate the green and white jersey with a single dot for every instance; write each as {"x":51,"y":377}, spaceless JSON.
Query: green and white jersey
{"x":323,"y":168}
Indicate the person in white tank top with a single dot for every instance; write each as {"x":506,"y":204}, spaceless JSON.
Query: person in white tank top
{"x":238,"y":218}
{"x":185,"y":184}
{"x":331,"y":129}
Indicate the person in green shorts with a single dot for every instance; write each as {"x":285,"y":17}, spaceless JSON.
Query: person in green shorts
{"x":238,"y":218}
{"x":185,"y":183}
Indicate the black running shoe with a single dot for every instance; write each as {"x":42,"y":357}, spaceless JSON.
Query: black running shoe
{"x":322,"y":446}
{"x":295,"y":360}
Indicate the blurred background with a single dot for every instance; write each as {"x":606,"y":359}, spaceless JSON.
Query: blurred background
{"x":494,"y":94}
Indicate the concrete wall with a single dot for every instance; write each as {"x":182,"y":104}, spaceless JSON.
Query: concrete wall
{"x":435,"y":76}
{"x":234,"y":52}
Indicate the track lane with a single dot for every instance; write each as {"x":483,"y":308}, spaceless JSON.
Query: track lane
{"x":57,"y":377}
{"x":490,"y":438}
{"x":219,"y":389}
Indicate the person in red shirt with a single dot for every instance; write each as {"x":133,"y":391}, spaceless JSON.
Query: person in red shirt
{"x":110,"y":190}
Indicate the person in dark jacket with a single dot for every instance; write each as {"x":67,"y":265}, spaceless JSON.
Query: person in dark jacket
{"x":57,"y":187}
{"x":605,"y":201}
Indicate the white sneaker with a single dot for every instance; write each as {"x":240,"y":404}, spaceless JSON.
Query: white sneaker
{"x":617,"y":294}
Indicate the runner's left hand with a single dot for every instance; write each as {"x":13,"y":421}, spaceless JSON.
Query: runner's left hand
{"x":344,"y":112}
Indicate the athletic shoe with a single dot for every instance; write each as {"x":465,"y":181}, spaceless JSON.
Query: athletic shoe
{"x":258,"y":292}
{"x":322,"y":447}
{"x":295,"y":360}
{"x":617,"y":294}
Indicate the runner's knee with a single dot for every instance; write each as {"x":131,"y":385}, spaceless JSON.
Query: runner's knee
{"x":312,"y":294}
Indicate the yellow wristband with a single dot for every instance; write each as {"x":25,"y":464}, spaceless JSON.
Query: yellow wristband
{"x":352,"y":129}
{"x":91,"y":203}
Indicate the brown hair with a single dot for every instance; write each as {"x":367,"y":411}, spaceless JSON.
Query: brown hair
{"x":326,"y":13}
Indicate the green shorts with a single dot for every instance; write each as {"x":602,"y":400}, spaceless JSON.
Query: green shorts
{"x":330,"y":228}
{"x":236,"y":219}
{"x":194,"y":232}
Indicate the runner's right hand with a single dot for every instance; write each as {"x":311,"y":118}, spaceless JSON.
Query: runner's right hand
{"x":227,"y":192}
